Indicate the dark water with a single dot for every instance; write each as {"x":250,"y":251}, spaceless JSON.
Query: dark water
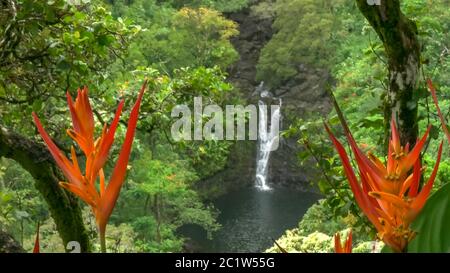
{"x":250,"y":218}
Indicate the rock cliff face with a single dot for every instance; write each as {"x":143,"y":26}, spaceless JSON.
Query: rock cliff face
{"x":255,"y":30}
{"x":8,"y":244}
{"x":302,"y":94}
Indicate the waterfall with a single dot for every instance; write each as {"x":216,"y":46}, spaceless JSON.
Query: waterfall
{"x":266,"y":139}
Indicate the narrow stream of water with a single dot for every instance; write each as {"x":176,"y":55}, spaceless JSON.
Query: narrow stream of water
{"x":268,"y":138}
{"x":251,"y":218}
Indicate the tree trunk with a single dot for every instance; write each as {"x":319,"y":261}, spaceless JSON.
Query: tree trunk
{"x":399,"y":37}
{"x":157,"y":204}
{"x":63,"y":206}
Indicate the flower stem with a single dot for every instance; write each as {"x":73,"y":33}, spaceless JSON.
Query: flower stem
{"x":102,"y":242}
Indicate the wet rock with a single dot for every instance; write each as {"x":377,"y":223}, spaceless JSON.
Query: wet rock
{"x":8,"y":244}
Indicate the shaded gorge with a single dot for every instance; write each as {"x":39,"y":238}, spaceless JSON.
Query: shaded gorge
{"x":251,"y":219}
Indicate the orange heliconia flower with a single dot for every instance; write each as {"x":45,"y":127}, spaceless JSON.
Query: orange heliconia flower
{"x":343,"y":248}
{"x":96,"y":151}
{"x":388,"y":194}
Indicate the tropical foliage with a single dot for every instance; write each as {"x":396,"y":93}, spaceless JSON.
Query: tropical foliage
{"x":136,"y":180}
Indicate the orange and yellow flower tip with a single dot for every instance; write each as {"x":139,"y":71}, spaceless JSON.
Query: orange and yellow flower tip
{"x":343,"y":248}
{"x":388,"y":193}
{"x":82,"y":120}
{"x":96,"y":152}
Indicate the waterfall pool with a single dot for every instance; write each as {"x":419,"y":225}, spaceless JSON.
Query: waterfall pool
{"x":251,"y":218}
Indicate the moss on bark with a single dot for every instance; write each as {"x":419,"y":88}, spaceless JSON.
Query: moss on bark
{"x":399,"y":37}
{"x":63,"y":206}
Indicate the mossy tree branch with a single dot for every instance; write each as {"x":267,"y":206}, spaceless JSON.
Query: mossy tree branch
{"x":63,"y":206}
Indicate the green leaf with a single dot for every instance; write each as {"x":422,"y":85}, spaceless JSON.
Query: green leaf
{"x":63,"y":65}
{"x":324,"y":186}
{"x":105,"y":40}
{"x":434,"y":132}
{"x":20,"y":214}
{"x":37,"y":105}
{"x":386,"y":249}
{"x":79,"y":16}
{"x":375,"y":121}
{"x":433,"y":224}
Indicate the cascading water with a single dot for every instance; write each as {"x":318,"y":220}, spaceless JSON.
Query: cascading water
{"x":266,"y":138}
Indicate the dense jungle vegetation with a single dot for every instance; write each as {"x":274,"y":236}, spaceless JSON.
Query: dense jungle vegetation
{"x":186,"y":49}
